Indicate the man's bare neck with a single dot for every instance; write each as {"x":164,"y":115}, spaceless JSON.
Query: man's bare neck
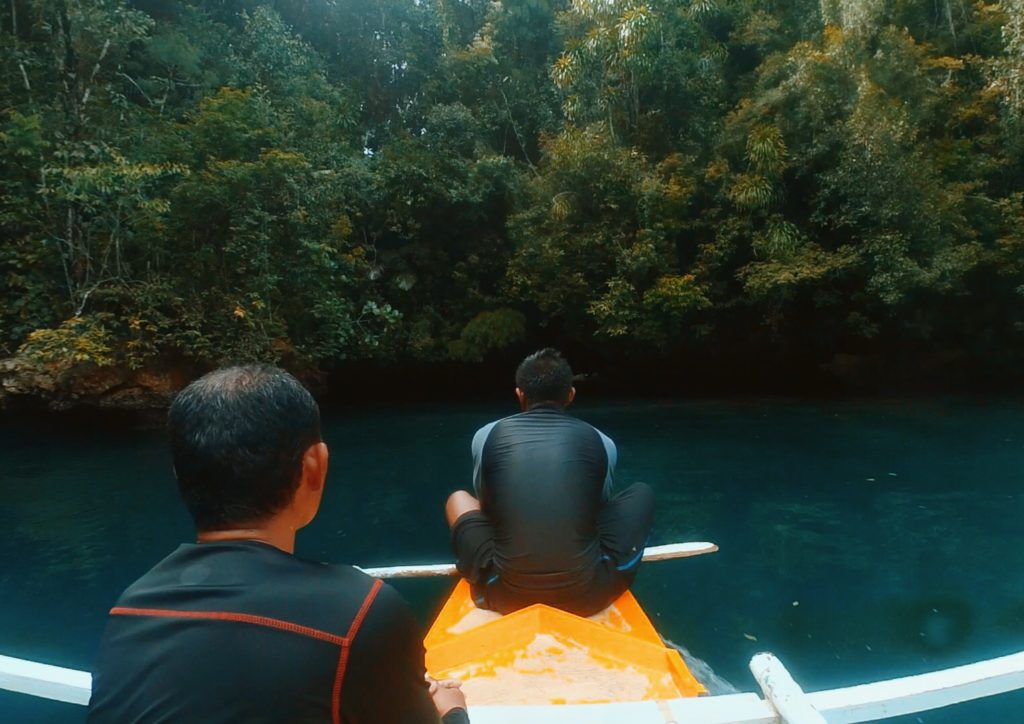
{"x":546,"y":405}
{"x":279,"y":536}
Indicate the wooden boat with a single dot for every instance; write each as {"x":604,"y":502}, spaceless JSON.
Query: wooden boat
{"x":509,"y":664}
{"x":784,"y":701}
{"x":540,"y":655}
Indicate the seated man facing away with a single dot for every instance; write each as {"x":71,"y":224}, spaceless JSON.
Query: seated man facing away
{"x":545,"y":527}
{"x":237,"y":629}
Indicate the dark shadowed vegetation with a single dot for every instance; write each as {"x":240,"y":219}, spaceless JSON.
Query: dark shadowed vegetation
{"x":741,"y":184}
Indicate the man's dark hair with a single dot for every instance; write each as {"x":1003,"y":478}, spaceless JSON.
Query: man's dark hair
{"x":545,"y":376}
{"x":238,"y":436}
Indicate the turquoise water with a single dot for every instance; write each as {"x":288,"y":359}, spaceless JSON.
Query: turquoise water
{"x":859,"y":540}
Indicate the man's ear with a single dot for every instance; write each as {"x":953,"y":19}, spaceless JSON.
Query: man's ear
{"x":314,"y":465}
{"x":521,"y":396}
{"x":307,"y":498}
{"x":571,"y":397}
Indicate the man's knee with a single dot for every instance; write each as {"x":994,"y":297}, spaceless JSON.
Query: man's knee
{"x":639,"y":499}
{"x":642,"y":492}
{"x":459,"y":503}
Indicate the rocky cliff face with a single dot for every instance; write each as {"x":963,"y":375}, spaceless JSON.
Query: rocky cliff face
{"x":61,"y":388}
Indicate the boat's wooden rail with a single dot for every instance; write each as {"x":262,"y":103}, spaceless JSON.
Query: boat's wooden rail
{"x":784,"y":701}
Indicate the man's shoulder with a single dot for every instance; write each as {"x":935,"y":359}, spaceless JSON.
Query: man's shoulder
{"x":484,"y":429}
{"x":564,"y":417}
{"x":481,"y":435}
{"x":157,"y":577}
{"x":337,"y":577}
{"x":587,"y":426}
{"x":336,"y":599}
{"x":545,"y":417}
{"x":326,"y":582}
{"x":255,"y":578}
{"x":332,"y":581}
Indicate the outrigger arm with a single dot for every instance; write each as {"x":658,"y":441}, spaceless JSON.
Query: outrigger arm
{"x":655,"y":553}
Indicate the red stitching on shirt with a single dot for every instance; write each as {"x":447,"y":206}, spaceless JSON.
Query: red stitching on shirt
{"x":367,"y":602}
{"x":238,"y":617}
{"x":339,"y":675}
{"x":342,"y":641}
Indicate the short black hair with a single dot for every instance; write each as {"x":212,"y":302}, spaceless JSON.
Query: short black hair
{"x":545,"y":376}
{"x":238,"y":435}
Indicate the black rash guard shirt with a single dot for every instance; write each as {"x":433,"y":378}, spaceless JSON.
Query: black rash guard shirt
{"x":543,"y":477}
{"x":243,"y":632}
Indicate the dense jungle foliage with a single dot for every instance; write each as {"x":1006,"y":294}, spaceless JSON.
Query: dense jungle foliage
{"x":312,"y":181}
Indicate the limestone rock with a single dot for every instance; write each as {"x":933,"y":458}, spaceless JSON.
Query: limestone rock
{"x":60,"y":387}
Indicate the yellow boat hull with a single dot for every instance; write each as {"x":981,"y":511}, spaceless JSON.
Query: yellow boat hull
{"x":541,"y":655}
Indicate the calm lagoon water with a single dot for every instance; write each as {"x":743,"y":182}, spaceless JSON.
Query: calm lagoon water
{"x":859,"y":540}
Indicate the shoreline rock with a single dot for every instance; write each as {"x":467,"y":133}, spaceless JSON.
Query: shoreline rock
{"x":59,"y":387}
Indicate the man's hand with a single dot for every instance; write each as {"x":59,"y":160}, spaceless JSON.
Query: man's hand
{"x":447,"y":694}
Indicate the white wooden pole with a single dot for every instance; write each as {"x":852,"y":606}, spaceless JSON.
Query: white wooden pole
{"x":883,"y":699}
{"x":425,"y":571}
{"x":43,"y":680}
{"x":782,"y":692}
{"x":657,"y":553}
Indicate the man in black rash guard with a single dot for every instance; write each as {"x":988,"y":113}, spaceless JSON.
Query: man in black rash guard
{"x":237,"y":629}
{"x":545,"y":527}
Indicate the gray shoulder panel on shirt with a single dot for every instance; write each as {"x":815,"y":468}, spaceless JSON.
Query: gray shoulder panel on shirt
{"x":477,"y":448}
{"x":613,"y":458}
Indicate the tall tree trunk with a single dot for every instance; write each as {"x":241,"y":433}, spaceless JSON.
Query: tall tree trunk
{"x":68,"y":65}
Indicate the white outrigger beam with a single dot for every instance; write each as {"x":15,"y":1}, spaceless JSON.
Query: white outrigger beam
{"x":784,"y":702}
{"x":45,"y":681}
{"x":655,"y":553}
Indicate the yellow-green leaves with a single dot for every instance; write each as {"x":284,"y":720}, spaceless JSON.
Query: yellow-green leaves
{"x":809,"y":266}
{"x":632,"y":26}
{"x":77,"y":341}
{"x":752,"y":191}
{"x":619,"y":49}
{"x":675,"y":295}
{"x":703,"y":7}
{"x":90,"y":184}
{"x":777,"y":241}
{"x":766,"y":151}
{"x":487,"y":332}
{"x":659,"y":315}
